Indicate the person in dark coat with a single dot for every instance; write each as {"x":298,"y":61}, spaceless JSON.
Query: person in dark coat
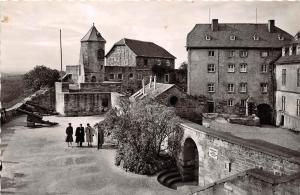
{"x":100,"y":136}
{"x":69,"y":132}
{"x":79,"y":135}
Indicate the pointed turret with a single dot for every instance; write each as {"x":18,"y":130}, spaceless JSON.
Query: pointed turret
{"x":93,"y":35}
{"x":92,"y":53}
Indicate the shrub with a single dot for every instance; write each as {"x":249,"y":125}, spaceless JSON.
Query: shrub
{"x":141,"y":129}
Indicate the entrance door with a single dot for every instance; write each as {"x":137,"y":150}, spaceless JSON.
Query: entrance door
{"x":251,"y":108}
{"x":211,"y":107}
{"x":264,"y":112}
{"x":282,"y":120}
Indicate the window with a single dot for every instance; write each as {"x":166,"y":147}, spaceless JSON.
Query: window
{"x":243,"y":54}
{"x":298,"y":50}
{"x":207,"y":37}
{"x":264,"y":68}
{"x":291,"y":50}
{"x":255,"y":37}
{"x":243,"y":87}
{"x":243,"y":67}
{"x":93,"y":79}
{"x":230,"y":102}
{"x":264,"y":87}
{"x":283,"y":103}
{"x":283,"y":77}
{"x":231,"y":53}
{"x":158,"y":62}
{"x":211,"y":87}
{"x":298,"y":77}
{"x":130,"y":76}
{"x":173,"y":100}
{"x":264,"y":54}
{"x":211,"y":53}
{"x":167,"y":78}
{"x":280,"y":37}
{"x":298,"y":107}
{"x":231,"y":68}
{"x":145,"y":61}
{"x":105,"y":102}
{"x":120,"y":76}
{"x":243,"y":102}
{"x":230,"y":87}
{"x":111,"y":76}
{"x":168,"y":62}
{"x":100,"y":54}
{"x":232,"y":37}
{"x":211,"y":68}
{"x":283,"y":51}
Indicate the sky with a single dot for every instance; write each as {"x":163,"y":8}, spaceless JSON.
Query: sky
{"x":30,"y":30}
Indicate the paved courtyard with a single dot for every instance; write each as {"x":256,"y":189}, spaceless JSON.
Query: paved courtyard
{"x":38,"y":161}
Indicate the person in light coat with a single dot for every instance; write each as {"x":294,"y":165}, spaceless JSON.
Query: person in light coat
{"x":89,"y":133}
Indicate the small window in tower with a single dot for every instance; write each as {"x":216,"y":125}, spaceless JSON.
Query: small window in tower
{"x":130,"y":76}
{"x":100,"y":54}
{"x":93,"y":79}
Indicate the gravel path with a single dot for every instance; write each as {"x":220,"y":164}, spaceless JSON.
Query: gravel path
{"x":38,"y":161}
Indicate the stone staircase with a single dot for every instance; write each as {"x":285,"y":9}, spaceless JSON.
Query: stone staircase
{"x":170,"y":178}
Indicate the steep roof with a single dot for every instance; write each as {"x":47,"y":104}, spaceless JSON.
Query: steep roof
{"x":143,"y":48}
{"x":93,"y":35}
{"x":244,"y":33}
{"x":151,"y":92}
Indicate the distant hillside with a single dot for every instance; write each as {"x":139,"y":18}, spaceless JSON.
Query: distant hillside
{"x":12,"y":89}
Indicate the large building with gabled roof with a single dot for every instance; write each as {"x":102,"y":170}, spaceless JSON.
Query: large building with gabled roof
{"x":231,"y":66}
{"x":129,"y":61}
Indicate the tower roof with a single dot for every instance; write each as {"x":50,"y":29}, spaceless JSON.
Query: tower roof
{"x":93,"y":35}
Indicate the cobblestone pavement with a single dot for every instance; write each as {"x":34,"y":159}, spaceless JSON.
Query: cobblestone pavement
{"x":38,"y":161}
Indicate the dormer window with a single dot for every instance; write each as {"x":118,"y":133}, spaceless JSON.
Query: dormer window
{"x":280,"y":37}
{"x":207,"y":37}
{"x":255,"y":38}
{"x":232,"y":37}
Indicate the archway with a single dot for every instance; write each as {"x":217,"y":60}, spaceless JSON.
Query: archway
{"x":190,"y":161}
{"x":264,"y":112}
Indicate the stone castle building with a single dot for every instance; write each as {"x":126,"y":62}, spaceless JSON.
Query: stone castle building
{"x":230,"y":65}
{"x":129,"y":61}
{"x":288,"y":86}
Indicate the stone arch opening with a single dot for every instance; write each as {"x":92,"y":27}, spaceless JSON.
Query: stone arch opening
{"x":173,"y":100}
{"x":264,"y":112}
{"x":190,"y":161}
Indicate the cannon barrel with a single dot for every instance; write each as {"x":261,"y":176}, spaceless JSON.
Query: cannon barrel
{"x":30,"y":114}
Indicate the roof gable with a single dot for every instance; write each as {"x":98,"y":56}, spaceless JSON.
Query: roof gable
{"x":143,"y":48}
{"x":93,"y":35}
{"x":244,"y":36}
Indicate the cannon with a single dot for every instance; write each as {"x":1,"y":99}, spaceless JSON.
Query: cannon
{"x":36,"y":120}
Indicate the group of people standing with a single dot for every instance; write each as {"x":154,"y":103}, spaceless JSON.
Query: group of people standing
{"x":84,"y":134}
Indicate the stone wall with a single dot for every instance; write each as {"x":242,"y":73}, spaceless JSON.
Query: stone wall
{"x":199,"y":77}
{"x":101,"y":87}
{"x":185,"y":106}
{"x":45,"y":99}
{"x":253,"y":181}
{"x":221,"y":155}
{"x":86,"y":103}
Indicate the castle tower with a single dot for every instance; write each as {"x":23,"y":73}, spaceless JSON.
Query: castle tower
{"x":92,"y":54}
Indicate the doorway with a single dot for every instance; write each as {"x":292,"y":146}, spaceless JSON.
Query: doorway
{"x":264,"y":112}
{"x":211,"y":107}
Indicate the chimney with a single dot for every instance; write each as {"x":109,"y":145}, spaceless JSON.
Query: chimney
{"x":150,"y":83}
{"x":143,"y":83}
{"x":154,"y":82}
{"x":214,"y":25}
{"x":271,"y":26}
